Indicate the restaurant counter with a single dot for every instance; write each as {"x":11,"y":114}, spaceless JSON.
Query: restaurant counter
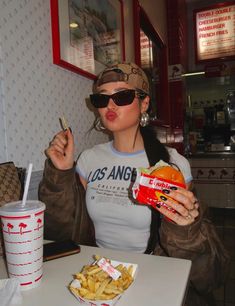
{"x":159,"y":280}
{"x":221,"y":154}
{"x":214,"y":178}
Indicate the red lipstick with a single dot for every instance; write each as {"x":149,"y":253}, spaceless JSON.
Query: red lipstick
{"x":111,"y":116}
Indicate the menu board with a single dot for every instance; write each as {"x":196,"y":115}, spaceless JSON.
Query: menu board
{"x":146,"y":50}
{"x":215,"y":32}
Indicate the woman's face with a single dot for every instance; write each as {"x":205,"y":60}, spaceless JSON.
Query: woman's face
{"x":119,"y":118}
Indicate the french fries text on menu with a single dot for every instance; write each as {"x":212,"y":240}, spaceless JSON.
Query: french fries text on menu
{"x":96,"y":284}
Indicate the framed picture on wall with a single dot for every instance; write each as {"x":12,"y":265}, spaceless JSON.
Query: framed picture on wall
{"x":87,"y":35}
{"x":215,"y":32}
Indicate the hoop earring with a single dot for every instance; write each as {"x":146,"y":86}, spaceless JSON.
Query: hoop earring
{"x":144,"y":119}
{"x":98,"y":124}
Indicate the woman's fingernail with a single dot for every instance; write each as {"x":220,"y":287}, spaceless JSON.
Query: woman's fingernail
{"x":173,"y":188}
{"x":163,"y":198}
{"x":166,"y":191}
{"x":70,"y":130}
{"x":133,"y":175}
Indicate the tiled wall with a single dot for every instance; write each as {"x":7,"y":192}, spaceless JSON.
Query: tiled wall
{"x":34,"y":93}
{"x":214,"y":180}
{"x":206,"y":90}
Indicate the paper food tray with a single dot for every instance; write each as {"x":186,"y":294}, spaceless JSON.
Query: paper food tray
{"x":76,"y":284}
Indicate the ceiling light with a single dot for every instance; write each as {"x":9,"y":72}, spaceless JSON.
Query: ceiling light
{"x":73,"y":25}
{"x":193,"y":73}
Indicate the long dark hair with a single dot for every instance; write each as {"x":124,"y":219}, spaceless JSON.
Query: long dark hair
{"x":155,"y":151}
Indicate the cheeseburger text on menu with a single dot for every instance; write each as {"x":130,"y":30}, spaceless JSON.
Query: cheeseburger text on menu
{"x":215,"y":32}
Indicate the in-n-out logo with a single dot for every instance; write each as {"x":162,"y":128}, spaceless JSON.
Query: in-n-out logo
{"x":39,"y":223}
{"x":22,"y":226}
{"x":9,"y":227}
{"x":15,"y":228}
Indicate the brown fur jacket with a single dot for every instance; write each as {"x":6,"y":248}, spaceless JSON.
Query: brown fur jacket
{"x":66,"y":217}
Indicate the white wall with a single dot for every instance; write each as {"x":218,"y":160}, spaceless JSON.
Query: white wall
{"x":156,"y":11}
{"x":128,"y":26}
{"x":2,"y":128}
{"x":34,"y":93}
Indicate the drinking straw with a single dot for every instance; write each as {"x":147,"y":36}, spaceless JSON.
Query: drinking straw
{"x":26,"y":189}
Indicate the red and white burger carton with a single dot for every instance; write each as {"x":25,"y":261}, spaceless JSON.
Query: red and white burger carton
{"x":148,"y":189}
{"x":114,"y":273}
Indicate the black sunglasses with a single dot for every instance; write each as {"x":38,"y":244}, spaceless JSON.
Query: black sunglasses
{"x":120,"y":98}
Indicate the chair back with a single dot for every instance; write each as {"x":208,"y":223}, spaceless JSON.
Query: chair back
{"x":11,"y":187}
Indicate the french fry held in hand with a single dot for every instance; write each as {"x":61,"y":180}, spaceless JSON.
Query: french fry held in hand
{"x":98,"y":285}
{"x":63,"y":123}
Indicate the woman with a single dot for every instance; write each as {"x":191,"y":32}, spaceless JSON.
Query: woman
{"x":121,"y":96}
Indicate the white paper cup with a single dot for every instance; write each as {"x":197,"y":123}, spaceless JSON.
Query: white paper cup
{"x":23,"y":239}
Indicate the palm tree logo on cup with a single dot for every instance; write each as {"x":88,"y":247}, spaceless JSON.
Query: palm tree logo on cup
{"x":39,"y":222}
{"x":10,"y":227}
{"x":22,"y":226}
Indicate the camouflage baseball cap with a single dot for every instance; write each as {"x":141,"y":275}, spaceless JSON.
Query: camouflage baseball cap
{"x":129,"y":73}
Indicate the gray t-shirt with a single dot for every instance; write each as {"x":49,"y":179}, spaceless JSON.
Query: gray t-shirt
{"x":119,"y":222}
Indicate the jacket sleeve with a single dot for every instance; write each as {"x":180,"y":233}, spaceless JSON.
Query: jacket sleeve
{"x":58,"y":190}
{"x":199,"y":243}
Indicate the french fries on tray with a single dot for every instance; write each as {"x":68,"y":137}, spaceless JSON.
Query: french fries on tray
{"x":104,"y":280}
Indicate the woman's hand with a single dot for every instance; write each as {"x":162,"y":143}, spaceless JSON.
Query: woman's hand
{"x":61,"y":150}
{"x":184,"y":203}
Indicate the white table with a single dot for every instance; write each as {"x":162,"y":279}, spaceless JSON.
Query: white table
{"x":160,"y":281}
